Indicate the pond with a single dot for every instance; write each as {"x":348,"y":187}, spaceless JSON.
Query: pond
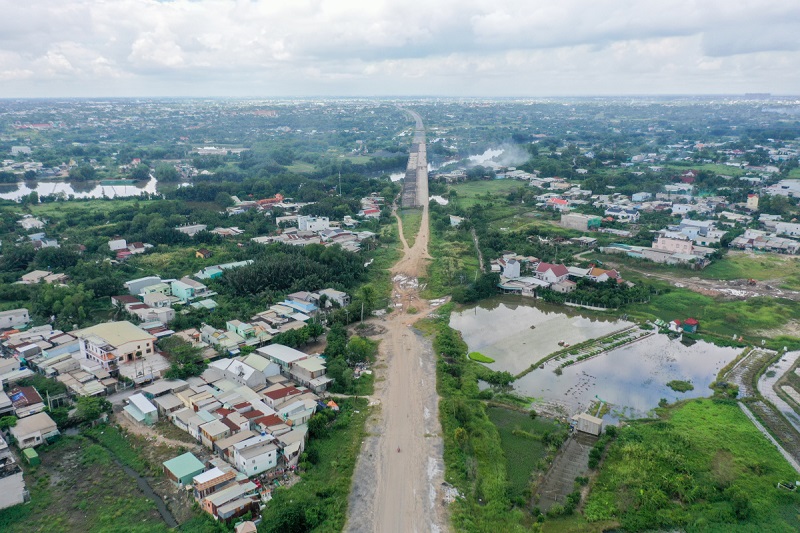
{"x":76,"y":189}
{"x":632,"y":378}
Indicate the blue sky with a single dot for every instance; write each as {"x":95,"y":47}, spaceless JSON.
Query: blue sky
{"x":52,"y":48}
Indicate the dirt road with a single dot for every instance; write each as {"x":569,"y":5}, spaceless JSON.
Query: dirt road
{"x":399,"y":491}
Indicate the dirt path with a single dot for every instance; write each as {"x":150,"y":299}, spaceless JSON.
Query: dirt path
{"x":478,"y":248}
{"x":401,"y":491}
{"x":151,"y":434}
{"x":736,"y":289}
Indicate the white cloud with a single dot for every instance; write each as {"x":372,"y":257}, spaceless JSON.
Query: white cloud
{"x":503,"y":47}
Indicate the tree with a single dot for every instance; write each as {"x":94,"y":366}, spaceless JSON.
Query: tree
{"x":360,"y":350}
{"x":185,"y":360}
{"x":315,"y":329}
{"x":8,"y":422}
{"x":90,"y":408}
{"x":166,"y":173}
{"x":141,"y":172}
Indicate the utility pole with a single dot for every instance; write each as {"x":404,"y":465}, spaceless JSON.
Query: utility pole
{"x":362,"y":312}
{"x":340,"y":182}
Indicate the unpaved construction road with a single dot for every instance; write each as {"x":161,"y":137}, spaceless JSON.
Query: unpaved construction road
{"x":400,"y":491}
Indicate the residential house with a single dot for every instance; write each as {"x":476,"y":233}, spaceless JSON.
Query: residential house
{"x":455,"y":221}
{"x":599,"y":275}
{"x":580,"y":222}
{"x":623,"y":215}
{"x":789,"y":229}
{"x":192,"y":229}
{"x":183,"y":469}
{"x":673,"y":242}
{"x":224,"y":341}
{"x":111,"y":343}
{"x":203,"y":253}
{"x":211,"y":481}
{"x":311,"y":373}
{"x":641,"y":196}
{"x":140,"y":410}
{"x":283,"y":356}
{"x":280,"y":396}
{"x":12,"y":484}
{"x":34,"y":277}
{"x":233,"y":501}
{"x":135,"y":286}
{"x":14,"y":318}
{"x":157,"y":299}
{"x":187,"y":289}
{"x":339,"y":297}
{"x":551,"y":273}
{"x":255,"y":455}
{"x":511,"y":269}
{"x":559,"y":204}
{"x":28,"y":223}
{"x":213,"y":431}
{"x":312,"y":223}
{"x":240,"y":372}
{"x":116,"y":245}
{"x":26,"y":401}
{"x":34,"y":430}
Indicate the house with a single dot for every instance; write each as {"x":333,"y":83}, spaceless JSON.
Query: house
{"x":135,"y":286}
{"x":641,"y":196}
{"x":282,"y":355}
{"x":28,"y":223}
{"x":156,"y":299}
{"x":36,"y":276}
{"x":183,"y":469}
{"x":551,"y":273}
{"x":564,"y":287}
{"x":203,"y":253}
{"x":690,"y":325}
{"x":255,"y":455}
{"x":599,"y":275}
{"x":311,"y":223}
{"x":34,"y":430}
{"x":673,"y":242}
{"x":213,"y":431}
{"x":12,"y":484}
{"x":752,"y":202}
{"x":623,"y":215}
{"x":311,"y":373}
{"x":26,"y":401}
{"x":511,"y":269}
{"x":339,"y":297}
{"x":116,"y":245}
{"x":240,"y":372}
{"x":559,"y":204}
{"x":211,"y":481}
{"x":139,"y":409}
{"x":187,"y":289}
{"x":112,"y":343}
{"x":192,"y":229}
{"x":455,"y":221}
{"x":580,"y":221}
{"x":14,"y":318}
{"x":232,"y":501}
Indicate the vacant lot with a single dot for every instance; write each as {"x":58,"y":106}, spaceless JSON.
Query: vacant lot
{"x":781,"y":269}
{"x":704,"y":467}
{"x":524,"y":444}
{"x":78,"y":487}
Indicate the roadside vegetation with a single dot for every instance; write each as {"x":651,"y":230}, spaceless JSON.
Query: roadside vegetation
{"x":702,"y":467}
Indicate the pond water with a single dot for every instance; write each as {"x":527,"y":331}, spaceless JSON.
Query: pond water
{"x":632,"y":378}
{"x":76,"y":189}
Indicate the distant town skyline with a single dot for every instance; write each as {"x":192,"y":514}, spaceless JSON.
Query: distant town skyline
{"x":481,"y":48}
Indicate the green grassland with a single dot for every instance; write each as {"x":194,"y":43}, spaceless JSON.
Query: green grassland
{"x":523,"y":447}
{"x":412,"y":219}
{"x":469,"y":192}
{"x":454,"y":256}
{"x":703,"y":467}
{"x":759,"y":267}
{"x":719,"y":317}
{"x":60,"y":210}
{"x":301,"y":167}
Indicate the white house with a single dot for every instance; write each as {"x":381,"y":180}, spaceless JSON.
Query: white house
{"x":311,"y":223}
{"x":34,"y":430}
{"x":14,"y":318}
{"x":551,"y":273}
{"x":255,"y":455}
{"x":512,"y":269}
{"x":111,"y":343}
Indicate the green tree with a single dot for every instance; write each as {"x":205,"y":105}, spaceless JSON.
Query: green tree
{"x":90,"y":408}
{"x":8,"y":422}
{"x":315,"y":329}
{"x":166,"y":173}
{"x":360,"y":350}
{"x":185,"y":360}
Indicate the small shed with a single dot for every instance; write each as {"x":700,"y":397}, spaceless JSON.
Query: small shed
{"x":31,"y":456}
{"x":183,"y":468}
{"x":588,"y":424}
{"x":690,"y":325}
{"x":141,"y":410}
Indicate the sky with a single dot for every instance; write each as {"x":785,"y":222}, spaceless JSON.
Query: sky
{"x":481,"y":48}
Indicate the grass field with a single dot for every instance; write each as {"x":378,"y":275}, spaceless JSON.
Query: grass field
{"x":521,"y":440}
{"x":412,"y":218}
{"x":469,"y":192}
{"x":760,"y":267}
{"x":704,"y":467}
{"x":301,"y":167}
{"x":78,"y":487}
{"x":62,"y":209}
{"x":725,"y":318}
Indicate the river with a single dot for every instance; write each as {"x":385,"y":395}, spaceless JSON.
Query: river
{"x":75,"y":189}
{"x":633,"y":378}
